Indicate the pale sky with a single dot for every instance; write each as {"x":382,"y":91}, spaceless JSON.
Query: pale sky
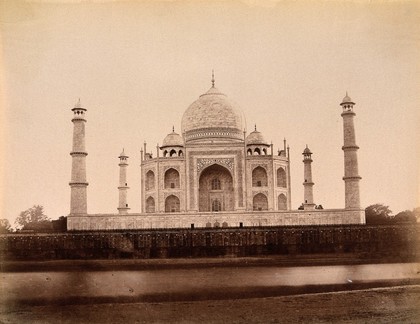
{"x":137,"y":66}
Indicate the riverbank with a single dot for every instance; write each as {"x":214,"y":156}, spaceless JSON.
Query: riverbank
{"x":298,"y":260}
{"x":384,"y":305}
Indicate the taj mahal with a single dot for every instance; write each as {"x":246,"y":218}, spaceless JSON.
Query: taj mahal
{"x":214,"y":174}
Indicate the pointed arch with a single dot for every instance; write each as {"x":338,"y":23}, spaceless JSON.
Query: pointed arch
{"x":150,"y":180}
{"x":260,"y":202}
{"x":257,"y":151}
{"x":180,"y":153}
{"x":282,"y":202}
{"x":259,"y":177}
{"x":249,"y":152}
{"x":172,"y":153}
{"x":171,"y":179}
{"x":150,"y":205}
{"x":216,"y":183}
{"x":281,"y":178}
{"x":172,"y":204}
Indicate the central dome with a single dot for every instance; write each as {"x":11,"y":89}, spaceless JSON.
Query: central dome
{"x":212,"y":117}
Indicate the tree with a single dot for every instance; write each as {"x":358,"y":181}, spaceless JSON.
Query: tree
{"x":378,"y":214}
{"x":5,"y":226}
{"x":416,"y":212}
{"x":41,"y":226}
{"x":35,"y":214}
{"x":406,"y":216}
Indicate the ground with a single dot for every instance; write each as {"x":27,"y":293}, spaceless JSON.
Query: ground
{"x":384,"y":305}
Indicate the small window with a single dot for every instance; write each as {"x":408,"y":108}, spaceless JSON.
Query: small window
{"x":172,"y":185}
{"x":258,"y":183}
{"x":215,"y":184}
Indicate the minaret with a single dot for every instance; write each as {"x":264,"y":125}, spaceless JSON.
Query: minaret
{"x":351,"y":169}
{"x":78,"y":183}
{"x":122,"y":188}
{"x":308,"y":202}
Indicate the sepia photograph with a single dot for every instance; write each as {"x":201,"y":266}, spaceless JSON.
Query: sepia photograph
{"x":232,"y":161}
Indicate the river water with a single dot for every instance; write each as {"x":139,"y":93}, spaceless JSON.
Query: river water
{"x":50,"y":286}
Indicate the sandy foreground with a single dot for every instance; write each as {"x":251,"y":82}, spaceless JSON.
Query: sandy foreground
{"x":376,"y":305}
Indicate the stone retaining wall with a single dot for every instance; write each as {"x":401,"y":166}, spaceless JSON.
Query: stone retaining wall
{"x":402,"y":240}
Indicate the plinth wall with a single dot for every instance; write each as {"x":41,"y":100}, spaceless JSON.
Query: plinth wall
{"x":219,"y":219}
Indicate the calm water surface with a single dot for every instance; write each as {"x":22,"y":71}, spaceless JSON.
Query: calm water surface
{"x":126,"y":283}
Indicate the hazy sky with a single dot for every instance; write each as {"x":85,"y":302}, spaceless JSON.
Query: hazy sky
{"x":137,"y":66}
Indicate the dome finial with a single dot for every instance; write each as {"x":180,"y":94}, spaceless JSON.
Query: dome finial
{"x":122,"y":155}
{"x":307,"y":151}
{"x":173,"y":129}
{"x":78,"y":104}
{"x":347,"y":99}
{"x":212,"y":79}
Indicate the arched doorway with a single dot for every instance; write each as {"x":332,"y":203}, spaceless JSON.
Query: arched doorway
{"x":215,"y":189}
{"x":216,"y":205}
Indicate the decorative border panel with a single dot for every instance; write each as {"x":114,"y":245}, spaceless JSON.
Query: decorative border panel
{"x":204,"y":163}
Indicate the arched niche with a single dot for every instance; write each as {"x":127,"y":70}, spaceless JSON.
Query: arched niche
{"x":216,"y":189}
{"x":171,"y":180}
{"x":260,"y":202}
{"x":172,"y":204}
{"x":282,"y":202}
{"x":259,"y":177}
{"x":150,"y":180}
{"x":281,"y":178}
{"x":150,"y":205}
